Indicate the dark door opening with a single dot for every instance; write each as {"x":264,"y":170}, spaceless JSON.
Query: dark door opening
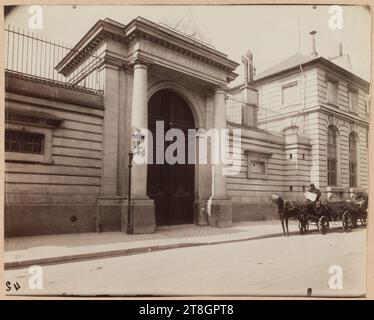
{"x":170,"y":185}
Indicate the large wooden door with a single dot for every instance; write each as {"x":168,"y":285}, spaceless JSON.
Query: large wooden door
{"x":170,"y":185}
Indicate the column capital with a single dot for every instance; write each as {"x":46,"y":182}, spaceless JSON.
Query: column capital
{"x":220,"y":90}
{"x":111,"y":62}
{"x":138,"y":63}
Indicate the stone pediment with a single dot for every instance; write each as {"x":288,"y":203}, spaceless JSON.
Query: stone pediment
{"x":155,"y":43}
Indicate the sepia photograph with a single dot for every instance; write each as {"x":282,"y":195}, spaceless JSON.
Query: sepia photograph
{"x":186,"y":150}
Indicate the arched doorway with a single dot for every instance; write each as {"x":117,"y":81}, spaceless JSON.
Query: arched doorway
{"x":170,"y":185}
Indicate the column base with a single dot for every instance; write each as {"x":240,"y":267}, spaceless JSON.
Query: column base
{"x":200,"y":213}
{"x":108,"y":213}
{"x":220,"y":213}
{"x":143,"y":215}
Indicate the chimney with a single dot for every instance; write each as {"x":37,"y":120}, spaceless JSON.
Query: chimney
{"x":340,"y":49}
{"x":314,"y":52}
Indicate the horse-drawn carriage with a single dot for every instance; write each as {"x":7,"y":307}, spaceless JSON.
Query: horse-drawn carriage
{"x":322,"y":214}
{"x":351,"y":211}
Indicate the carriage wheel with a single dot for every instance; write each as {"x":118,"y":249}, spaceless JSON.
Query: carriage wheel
{"x":347,"y":221}
{"x":323,"y":225}
{"x":303,"y":226}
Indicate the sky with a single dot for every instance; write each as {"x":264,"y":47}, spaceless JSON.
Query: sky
{"x":271,"y":32}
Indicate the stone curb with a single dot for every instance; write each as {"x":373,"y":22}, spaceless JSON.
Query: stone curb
{"x":132,"y":251}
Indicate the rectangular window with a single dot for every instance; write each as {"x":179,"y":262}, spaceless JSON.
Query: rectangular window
{"x":331,"y":157}
{"x":290,"y":94}
{"x":352,"y":161}
{"x":331,"y":172}
{"x":352,"y":175}
{"x":352,"y":100}
{"x":332,"y":92}
{"x":24,"y":142}
{"x":258,"y":167}
{"x":257,"y":164}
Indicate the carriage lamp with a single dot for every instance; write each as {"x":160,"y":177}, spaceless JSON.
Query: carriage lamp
{"x":137,"y":138}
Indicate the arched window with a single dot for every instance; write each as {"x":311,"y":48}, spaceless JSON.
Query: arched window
{"x":352,"y":160}
{"x":331,"y":156}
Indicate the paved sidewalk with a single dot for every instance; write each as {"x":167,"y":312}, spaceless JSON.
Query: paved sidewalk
{"x":26,"y":251}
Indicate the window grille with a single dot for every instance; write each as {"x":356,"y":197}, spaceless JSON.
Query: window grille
{"x":24,"y":142}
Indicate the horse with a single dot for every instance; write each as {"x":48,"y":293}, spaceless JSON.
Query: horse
{"x":286,"y":209}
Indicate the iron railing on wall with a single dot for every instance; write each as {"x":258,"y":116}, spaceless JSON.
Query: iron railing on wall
{"x":235,"y":112}
{"x":36,"y":56}
{"x":265,"y":116}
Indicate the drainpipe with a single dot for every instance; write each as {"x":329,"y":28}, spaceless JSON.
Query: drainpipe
{"x":304,"y":95}
{"x":210,"y":199}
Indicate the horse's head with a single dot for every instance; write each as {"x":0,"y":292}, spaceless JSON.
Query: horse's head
{"x":273,"y":199}
{"x":277,"y":200}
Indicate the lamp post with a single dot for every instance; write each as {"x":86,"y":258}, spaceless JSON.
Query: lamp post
{"x":138,"y":139}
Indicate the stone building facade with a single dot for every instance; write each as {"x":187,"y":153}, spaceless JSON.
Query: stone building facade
{"x":327,"y":103}
{"x":67,"y":146}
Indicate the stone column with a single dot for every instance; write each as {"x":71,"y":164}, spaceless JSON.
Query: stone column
{"x":110,"y":128}
{"x":109,"y":204}
{"x":219,"y":123}
{"x":220,"y":204}
{"x":139,"y":120}
{"x":143,"y":209}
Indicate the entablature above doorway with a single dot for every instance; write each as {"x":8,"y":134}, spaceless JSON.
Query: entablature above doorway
{"x":146,"y":40}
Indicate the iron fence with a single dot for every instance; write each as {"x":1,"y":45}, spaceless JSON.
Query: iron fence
{"x":265,"y":115}
{"x":235,"y":112}
{"x":36,"y":56}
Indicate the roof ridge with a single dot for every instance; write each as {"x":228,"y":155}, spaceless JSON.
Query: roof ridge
{"x":292,"y":61}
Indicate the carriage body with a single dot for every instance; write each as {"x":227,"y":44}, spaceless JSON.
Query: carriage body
{"x":319,"y":214}
{"x":349,"y":212}
{"x":355,"y":210}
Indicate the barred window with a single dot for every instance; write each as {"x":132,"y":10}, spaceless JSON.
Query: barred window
{"x":331,"y":157}
{"x":352,"y":160}
{"x":24,"y":142}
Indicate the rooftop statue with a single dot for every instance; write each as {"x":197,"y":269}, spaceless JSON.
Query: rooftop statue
{"x":247,"y":60}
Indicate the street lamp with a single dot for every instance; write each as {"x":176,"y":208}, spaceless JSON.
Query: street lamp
{"x":137,"y":138}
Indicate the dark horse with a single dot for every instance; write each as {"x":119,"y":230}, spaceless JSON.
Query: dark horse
{"x":287,"y":209}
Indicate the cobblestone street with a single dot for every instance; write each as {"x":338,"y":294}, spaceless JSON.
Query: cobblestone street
{"x":277,"y":266}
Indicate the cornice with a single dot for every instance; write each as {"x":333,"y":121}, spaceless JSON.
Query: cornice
{"x":344,"y":116}
{"x":142,"y":29}
{"x":320,"y":108}
{"x":318,"y":62}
